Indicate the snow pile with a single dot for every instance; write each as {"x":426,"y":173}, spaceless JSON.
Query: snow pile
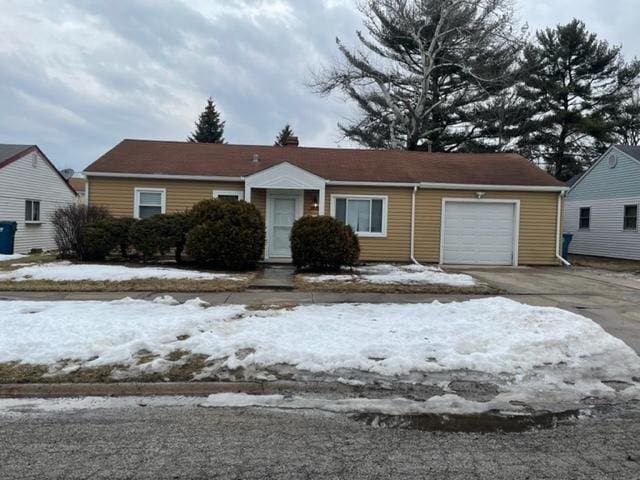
{"x":448,"y":403}
{"x":4,"y":257}
{"x":67,"y":271}
{"x":493,"y":335}
{"x":400,"y":274}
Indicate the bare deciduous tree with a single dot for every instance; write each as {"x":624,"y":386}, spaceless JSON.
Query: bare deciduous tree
{"x":424,"y":71}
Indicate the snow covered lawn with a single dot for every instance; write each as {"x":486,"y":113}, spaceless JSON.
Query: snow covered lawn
{"x":67,"y":271}
{"x":526,"y":350}
{"x":69,"y":276}
{"x":388,"y":277}
{"x":14,"y":256}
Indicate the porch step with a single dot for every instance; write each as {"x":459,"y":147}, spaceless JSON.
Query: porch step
{"x":274,"y":277}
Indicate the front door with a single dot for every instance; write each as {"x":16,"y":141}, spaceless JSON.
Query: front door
{"x":283,"y":208}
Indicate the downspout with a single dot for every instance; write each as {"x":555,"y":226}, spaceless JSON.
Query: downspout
{"x":558,"y":226}
{"x":413,"y":226}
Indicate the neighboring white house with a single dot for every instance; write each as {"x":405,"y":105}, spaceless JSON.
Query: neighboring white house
{"x":601,"y":208}
{"x":31,"y":188}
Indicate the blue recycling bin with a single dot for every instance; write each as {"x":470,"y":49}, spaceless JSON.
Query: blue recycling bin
{"x":566,"y":240}
{"x":7,"y":236}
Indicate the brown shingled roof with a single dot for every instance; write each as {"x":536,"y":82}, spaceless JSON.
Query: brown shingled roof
{"x":337,"y":164}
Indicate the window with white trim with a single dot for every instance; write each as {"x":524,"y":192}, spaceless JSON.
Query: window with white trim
{"x":228,"y":194}
{"x":366,"y":215}
{"x":149,"y":202}
{"x":32,"y":210}
{"x":584,"y":218}
{"x":630,"y":217}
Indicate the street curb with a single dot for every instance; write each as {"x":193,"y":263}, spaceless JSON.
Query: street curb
{"x":193,"y":389}
{"x":52,"y":390}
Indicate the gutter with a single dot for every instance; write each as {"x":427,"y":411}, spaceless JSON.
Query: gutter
{"x":558,"y":219}
{"x":413,"y":227}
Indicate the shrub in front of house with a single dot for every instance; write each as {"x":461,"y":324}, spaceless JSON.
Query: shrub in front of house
{"x":160,"y":234}
{"x":104,"y":236}
{"x":99,"y":240}
{"x":224,"y":233}
{"x":68,"y":223}
{"x":323,"y":244}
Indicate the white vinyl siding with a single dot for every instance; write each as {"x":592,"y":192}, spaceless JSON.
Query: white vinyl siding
{"x":606,"y":236}
{"x":32,"y":178}
{"x":366,"y":215}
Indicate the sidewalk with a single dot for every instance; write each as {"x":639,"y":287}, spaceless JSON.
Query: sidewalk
{"x":247,"y":297}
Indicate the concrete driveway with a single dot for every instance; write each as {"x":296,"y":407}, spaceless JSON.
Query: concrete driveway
{"x":611,"y":299}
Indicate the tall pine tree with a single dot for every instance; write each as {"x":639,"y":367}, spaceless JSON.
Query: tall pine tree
{"x":283,"y":136}
{"x":209,"y":128}
{"x":424,"y":71}
{"x":575,"y":86}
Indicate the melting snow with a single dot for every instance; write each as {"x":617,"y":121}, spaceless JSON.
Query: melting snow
{"x":67,"y":271}
{"x":399,"y":274}
{"x":4,"y":257}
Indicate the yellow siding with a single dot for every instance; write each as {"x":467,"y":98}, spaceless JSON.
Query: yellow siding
{"x":537,"y":240}
{"x":537,"y":213}
{"x":395,"y":246}
{"x":117,"y":194}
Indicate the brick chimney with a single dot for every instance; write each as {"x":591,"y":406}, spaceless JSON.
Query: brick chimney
{"x":292,"y":141}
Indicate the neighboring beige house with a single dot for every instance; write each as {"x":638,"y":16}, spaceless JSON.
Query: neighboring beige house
{"x":447,"y":208}
{"x":31,"y":188}
{"x":79,"y":184}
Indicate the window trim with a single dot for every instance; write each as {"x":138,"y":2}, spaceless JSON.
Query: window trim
{"x":238,"y":193}
{"x":385,"y":208}
{"x":624,"y":217}
{"x":136,"y":199}
{"x":33,"y":222}
{"x":587,"y":207}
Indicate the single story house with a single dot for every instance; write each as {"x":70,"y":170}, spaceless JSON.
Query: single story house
{"x":31,"y":188}
{"x":601,"y":209}
{"x":448,"y":208}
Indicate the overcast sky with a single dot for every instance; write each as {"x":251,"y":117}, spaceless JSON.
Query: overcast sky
{"x":78,"y":76}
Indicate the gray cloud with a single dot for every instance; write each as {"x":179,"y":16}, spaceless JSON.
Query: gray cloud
{"x":77,"y":76}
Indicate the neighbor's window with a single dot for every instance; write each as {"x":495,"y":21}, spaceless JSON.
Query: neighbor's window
{"x":585,"y":217}
{"x":149,"y":202}
{"x":228,"y":194}
{"x":32,"y":210}
{"x":630,"y":217}
{"x":366,"y":215}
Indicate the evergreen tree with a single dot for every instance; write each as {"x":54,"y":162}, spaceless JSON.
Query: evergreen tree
{"x":209,"y":128}
{"x":575,"y":86}
{"x":425,"y":71}
{"x":627,"y":128}
{"x":285,"y":133}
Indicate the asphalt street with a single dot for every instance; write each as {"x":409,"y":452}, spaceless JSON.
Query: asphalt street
{"x":191,"y":442}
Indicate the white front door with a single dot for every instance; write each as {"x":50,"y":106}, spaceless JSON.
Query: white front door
{"x":283,"y":211}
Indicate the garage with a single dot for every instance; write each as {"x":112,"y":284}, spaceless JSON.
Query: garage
{"x":479,"y":232}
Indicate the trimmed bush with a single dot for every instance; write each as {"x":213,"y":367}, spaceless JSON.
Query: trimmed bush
{"x":98,"y":239}
{"x":104,"y":236}
{"x":160,"y":234}
{"x":69,"y":222}
{"x":229,"y":234}
{"x":146,"y":237}
{"x":323,"y":243}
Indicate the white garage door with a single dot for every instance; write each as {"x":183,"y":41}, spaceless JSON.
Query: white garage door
{"x":478,"y":233}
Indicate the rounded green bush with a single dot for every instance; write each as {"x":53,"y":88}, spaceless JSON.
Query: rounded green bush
{"x":323,"y":243}
{"x":146,"y":236}
{"x":226,"y":233}
{"x":98,"y":240}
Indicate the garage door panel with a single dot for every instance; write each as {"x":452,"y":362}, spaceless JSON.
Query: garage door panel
{"x":478,"y":233}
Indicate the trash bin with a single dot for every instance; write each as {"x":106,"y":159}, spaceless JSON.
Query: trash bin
{"x":7,"y":236}
{"x":566,"y":240}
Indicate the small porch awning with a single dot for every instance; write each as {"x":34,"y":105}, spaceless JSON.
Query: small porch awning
{"x":286,"y":176}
